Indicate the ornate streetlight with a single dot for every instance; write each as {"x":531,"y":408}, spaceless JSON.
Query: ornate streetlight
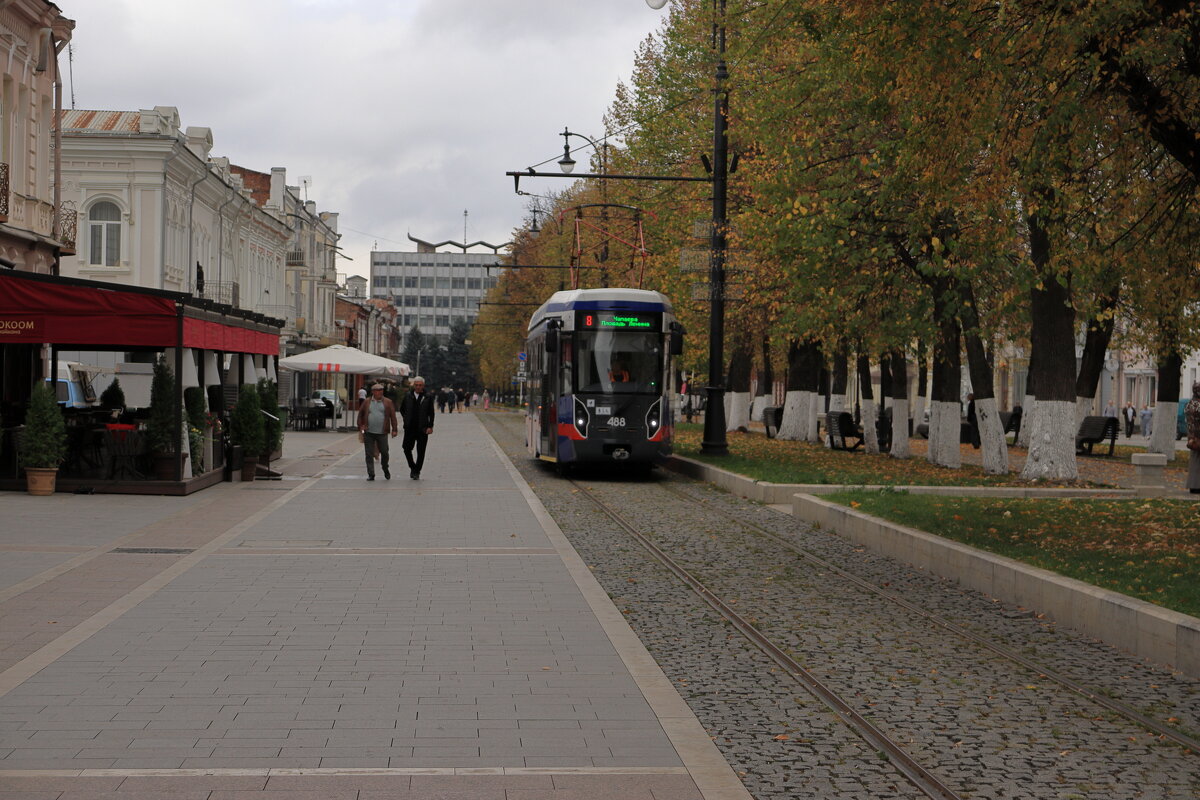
{"x":714,"y":441}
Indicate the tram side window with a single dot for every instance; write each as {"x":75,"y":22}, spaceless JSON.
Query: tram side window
{"x":620,"y":362}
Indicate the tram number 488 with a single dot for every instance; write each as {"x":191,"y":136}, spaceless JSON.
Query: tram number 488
{"x":616,"y":422}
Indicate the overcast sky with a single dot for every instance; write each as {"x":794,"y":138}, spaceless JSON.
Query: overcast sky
{"x":404,"y":113}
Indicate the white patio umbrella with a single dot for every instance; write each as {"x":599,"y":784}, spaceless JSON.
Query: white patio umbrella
{"x":339,"y":358}
{"x":347,"y":360}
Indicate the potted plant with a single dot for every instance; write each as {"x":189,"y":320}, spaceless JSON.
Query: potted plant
{"x":113,"y":398}
{"x":43,"y":441}
{"x":268,"y":398}
{"x":197,"y":422}
{"x":246,"y":429}
{"x":162,"y":434}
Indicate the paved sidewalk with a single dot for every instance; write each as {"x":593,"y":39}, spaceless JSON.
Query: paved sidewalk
{"x":322,"y":636}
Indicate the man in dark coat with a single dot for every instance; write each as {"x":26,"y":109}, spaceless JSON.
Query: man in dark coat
{"x":416,"y":415}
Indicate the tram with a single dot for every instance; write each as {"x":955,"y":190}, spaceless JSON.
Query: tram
{"x":599,"y":378}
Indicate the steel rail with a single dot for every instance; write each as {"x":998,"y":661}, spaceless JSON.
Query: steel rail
{"x":1041,"y":671}
{"x":921,"y":778}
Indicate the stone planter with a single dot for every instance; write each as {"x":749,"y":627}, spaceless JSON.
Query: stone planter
{"x":249,"y":467}
{"x":40,"y":480}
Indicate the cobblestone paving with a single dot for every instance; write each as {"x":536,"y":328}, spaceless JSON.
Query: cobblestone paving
{"x":990,"y":728}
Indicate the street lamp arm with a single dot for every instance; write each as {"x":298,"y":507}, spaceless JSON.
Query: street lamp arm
{"x":531,"y":173}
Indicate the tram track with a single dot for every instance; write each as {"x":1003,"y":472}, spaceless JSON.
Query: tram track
{"x":974,"y":718}
{"x":922,"y":779}
{"x":1113,"y":705}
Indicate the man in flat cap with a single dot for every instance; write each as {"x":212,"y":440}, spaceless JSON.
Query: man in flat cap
{"x":376,"y":420}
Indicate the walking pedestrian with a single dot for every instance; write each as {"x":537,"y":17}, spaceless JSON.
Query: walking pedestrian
{"x":1191,"y":415}
{"x":416,"y":414}
{"x":1110,"y":410}
{"x":972,"y":421}
{"x":487,"y":399}
{"x":376,"y":421}
{"x":1147,"y":421}
{"x":1129,"y":413}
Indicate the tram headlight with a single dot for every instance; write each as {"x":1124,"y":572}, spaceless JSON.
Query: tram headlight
{"x":582,"y":418}
{"x":654,"y":418}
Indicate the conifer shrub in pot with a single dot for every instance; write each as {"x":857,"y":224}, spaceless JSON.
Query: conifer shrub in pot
{"x":162,"y":435}
{"x":43,"y":441}
{"x":246,"y":429}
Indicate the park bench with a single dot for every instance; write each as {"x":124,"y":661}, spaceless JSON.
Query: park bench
{"x":1093,"y":431}
{"x":772,"y":419}
{"x":840,"y":428}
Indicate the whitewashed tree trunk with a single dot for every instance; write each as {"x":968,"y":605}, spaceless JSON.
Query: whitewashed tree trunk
{"x":1162,"y":429}
{"x":791,"y":428}
{"x":757,"y":406}
{"x":918,"y":411}
{"x":991,"y":437}
{"x":1083,"y":408}
{"x":900,"y":444}
{"x":737,"y":410}
{"x":945,"y":425}
{"x":1027,"y":409}
{"x":870,"y":434}
{"x":1051,"y":442}
{"x":809,"y":404}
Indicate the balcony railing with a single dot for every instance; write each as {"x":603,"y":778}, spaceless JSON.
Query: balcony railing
{"x":3,"y":192}
{"x":226,"y":292}
{"x":295,"y":258}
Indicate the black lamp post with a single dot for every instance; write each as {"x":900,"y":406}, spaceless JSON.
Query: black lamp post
{"x":714,"y":441}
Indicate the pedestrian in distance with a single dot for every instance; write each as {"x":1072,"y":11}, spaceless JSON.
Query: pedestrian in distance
{"x":1147,"y":421}
{"x":376,"y":422}
{"x":416,"y":415}
{"x":1191,"y":416}
{"x":487,"y":399}
{"x":1129,"y":413}
{"x":1110,"y":410}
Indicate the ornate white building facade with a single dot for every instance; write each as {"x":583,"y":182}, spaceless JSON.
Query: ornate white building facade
{"x":35,"y":227}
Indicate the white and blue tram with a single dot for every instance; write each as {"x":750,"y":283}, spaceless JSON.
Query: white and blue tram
{"x":599,"y":377}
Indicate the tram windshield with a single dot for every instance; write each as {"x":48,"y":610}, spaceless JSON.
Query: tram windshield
{"x":622,"y":362}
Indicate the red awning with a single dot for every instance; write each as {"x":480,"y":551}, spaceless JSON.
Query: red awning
{"x":80,"y":313}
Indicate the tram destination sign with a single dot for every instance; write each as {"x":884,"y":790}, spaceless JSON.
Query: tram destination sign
{"x":618,"y":320}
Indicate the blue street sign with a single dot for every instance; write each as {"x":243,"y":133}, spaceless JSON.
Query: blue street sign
{"x":522,"y":356}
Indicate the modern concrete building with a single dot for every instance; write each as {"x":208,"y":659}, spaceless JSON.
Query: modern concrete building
{"x":36,"y":226}
{"x":432,"y":289}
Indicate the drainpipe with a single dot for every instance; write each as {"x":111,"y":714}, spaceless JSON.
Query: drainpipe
{"x":56,"y":224}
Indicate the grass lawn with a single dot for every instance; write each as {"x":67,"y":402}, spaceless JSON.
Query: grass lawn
{"x":1145,"y":548}
{"x":777,"y":461}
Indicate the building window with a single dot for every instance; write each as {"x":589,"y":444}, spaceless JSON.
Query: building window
{"x":456,"y":302}
{"x":443,"y":322}
{"x":459,"y":283}
{"x":427,"y":282}
{"x":426,"y":301}
{"x":443,"y":301}
{"x":443,"y":283}
{"x":104,"y":225}
{"x":410,"y":281}
{"x":489,"y":283}
{"x":473,"y":283}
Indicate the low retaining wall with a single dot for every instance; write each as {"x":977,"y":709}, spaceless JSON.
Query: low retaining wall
{"x":1142,"y":628}
{"x":1148,"y":631}
{"x":782,"y":493}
